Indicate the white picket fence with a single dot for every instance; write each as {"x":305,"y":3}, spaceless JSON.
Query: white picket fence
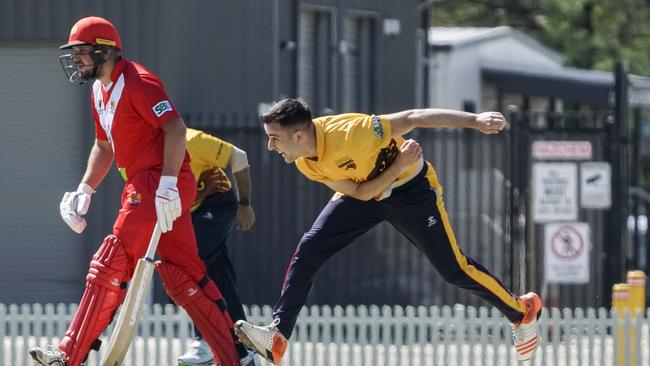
{"x":364,"y":336}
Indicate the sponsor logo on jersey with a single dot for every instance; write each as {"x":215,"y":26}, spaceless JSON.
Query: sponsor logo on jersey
{"x":377,"y":128}
{"x":346,"y":163}
{"x":134,"y":198}
{"x":162,"y":107}
{"x":191,"y":291}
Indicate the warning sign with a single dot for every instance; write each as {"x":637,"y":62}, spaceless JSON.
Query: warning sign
{"x":562,"y":150}
{"x":555,"y":192}
{"x":566,"y":252}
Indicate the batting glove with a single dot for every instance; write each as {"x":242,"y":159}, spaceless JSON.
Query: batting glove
{"x":168,"y":202}
{"x":74,"y":205}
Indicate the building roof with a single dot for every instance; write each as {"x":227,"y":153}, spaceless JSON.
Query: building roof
{"x":567,"y":82}
{"x":584,"y":76}
{"x":446,"y":38}
{"x":562,"y":82}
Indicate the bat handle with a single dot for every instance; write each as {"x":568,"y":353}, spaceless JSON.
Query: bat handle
{"x":153,"y":244}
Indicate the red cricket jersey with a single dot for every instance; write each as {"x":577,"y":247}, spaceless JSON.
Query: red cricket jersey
{"x":129,"y":113}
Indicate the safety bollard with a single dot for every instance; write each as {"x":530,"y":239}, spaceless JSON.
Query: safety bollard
{"x":625,"y":342}
{"x":636,"y":280}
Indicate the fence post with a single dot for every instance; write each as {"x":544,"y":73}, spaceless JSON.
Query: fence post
{"x":617,"y":214}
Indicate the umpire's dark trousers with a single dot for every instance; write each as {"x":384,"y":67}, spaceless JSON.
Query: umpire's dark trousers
{"x":213,"y":221}
{"x":417,"y":211}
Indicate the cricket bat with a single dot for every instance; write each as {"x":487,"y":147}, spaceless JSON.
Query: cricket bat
{"x":127,"y":321}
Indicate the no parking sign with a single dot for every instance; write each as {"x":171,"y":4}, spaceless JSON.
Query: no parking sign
{"x":566,"y":252}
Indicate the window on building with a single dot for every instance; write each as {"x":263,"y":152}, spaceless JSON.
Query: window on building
{"x":316,"y":56}
{"x":358,"y":48}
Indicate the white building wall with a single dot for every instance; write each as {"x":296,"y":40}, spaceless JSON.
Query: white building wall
{"x":455,"y":75}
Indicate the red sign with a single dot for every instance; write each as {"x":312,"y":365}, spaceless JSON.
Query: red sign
{"x":562,"y":150}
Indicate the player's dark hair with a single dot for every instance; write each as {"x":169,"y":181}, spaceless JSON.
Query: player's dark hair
{"x":288,"y":112}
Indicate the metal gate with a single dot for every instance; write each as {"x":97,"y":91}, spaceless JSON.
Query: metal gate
{"x":577,"y":129}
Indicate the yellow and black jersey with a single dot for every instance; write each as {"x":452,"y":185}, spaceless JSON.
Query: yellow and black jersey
{"x":357,"y":147}
{"x":207,"y":154}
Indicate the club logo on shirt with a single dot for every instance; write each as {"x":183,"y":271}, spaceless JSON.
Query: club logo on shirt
{"x":385,"y":158}
{"x":346,"y":163}
{"x":377,"y":128}
{"x":162,"y":107}
{"x":134,"y":198}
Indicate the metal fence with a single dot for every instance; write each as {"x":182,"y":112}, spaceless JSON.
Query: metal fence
{"x":366,"y":335}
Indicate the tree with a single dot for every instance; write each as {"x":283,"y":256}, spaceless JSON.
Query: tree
{"x":589,"y":33}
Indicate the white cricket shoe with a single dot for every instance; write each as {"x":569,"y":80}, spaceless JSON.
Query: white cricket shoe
{"x":252,"y":359}
{"x":199,"y":354}
{"x":525,"y":335}
{"x":266,"y":340}
{"x":50,"y":356}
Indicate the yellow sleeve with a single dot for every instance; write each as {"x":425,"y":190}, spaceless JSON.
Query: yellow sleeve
{"x":309,"y":171}
{"x":377,"y":129}
{"x":386,"y":128}
{"x":208,"y":150}
{"x":364,"y":132}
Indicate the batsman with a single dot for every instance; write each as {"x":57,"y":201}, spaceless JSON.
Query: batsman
{"x":137,"y":126}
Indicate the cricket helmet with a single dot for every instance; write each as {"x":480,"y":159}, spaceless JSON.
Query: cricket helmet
{"x":94,"y":31}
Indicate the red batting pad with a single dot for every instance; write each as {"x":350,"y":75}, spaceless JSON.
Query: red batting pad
{"x":109,"y":270}
{"x":202,"y":305}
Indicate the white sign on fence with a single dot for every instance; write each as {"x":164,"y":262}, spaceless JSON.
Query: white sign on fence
{"x":566,"y":252}
{"x":596,"y":185}
{"x":555,"y":192}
